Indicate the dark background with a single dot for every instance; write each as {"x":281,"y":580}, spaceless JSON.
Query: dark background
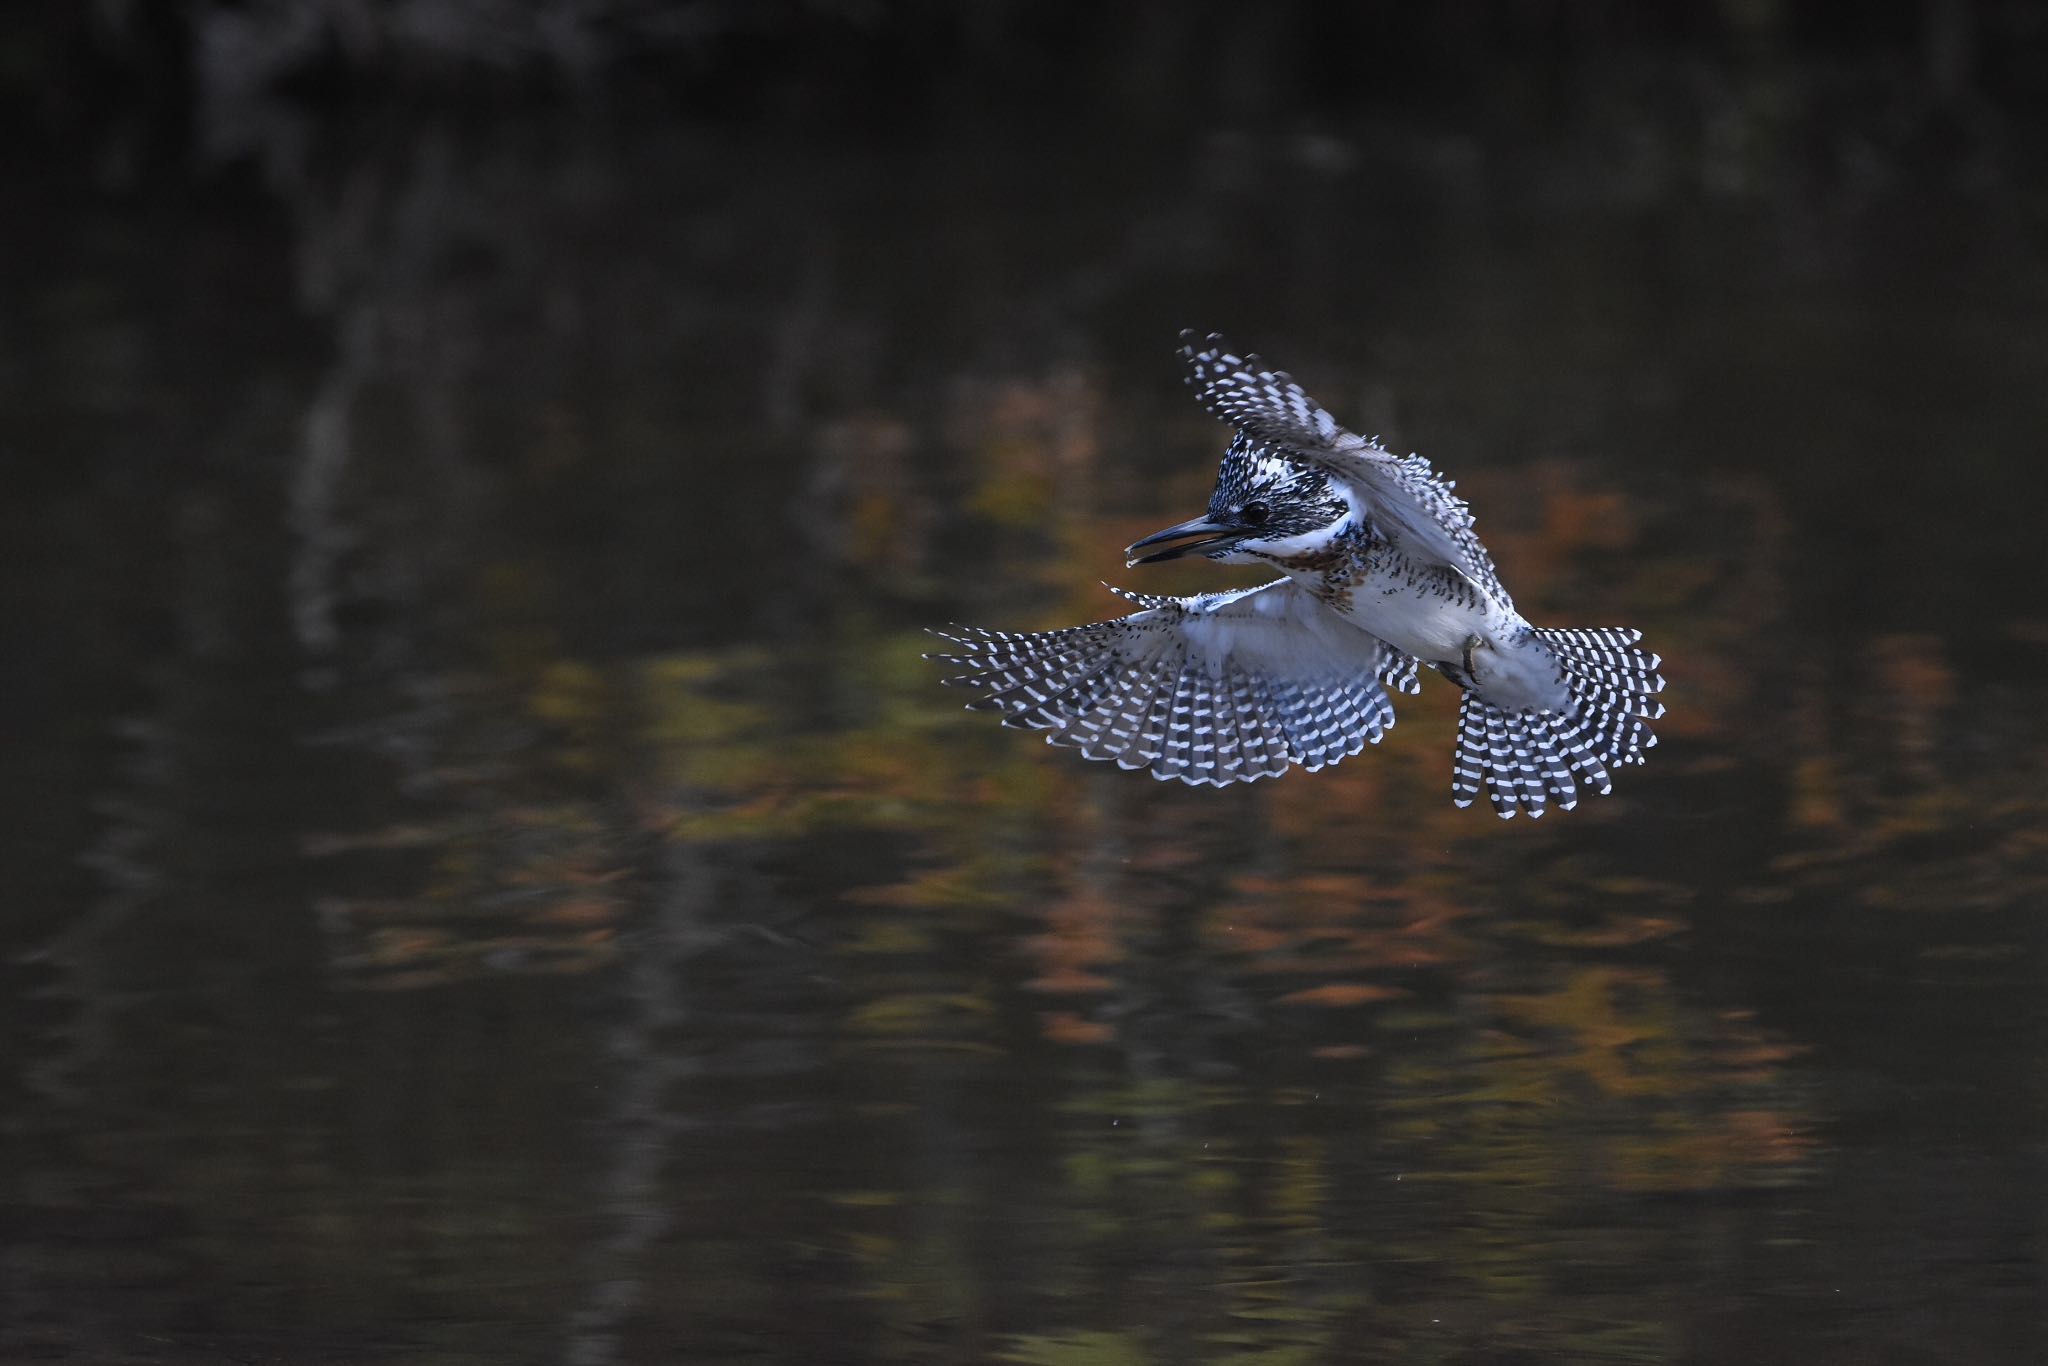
{"x":491,"y":878}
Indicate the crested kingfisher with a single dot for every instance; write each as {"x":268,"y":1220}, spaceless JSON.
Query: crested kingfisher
{"x":1381,"y":573}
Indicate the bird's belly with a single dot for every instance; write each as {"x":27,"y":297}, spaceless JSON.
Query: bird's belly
{"x":1430,"y":622}
{"x":1443,"y":621}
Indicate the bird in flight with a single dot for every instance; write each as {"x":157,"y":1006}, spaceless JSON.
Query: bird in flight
{"x":1381,"y":573}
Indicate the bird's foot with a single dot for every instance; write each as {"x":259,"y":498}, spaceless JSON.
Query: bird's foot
{"x":1472,"y":643}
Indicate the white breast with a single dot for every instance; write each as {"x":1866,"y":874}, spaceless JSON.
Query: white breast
{"x":1421,"y":613}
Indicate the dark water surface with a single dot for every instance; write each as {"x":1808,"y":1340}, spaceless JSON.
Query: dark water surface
{"x":493,"y":880}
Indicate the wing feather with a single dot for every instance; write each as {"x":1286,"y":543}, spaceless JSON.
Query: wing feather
{"x":1215,"y":689}
{"x":1410,"y":503}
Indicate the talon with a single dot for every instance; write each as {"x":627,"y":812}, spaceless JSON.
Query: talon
{"x":1472,"y":643}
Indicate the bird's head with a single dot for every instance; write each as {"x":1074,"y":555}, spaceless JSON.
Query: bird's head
{"x":1265,"y":507}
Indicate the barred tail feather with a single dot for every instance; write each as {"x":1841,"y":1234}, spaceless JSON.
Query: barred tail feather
{"x":1469,"y":766}
{"x":1614,"y":688}
{"x":1522,"y":760}
{"x":1526,"y":760}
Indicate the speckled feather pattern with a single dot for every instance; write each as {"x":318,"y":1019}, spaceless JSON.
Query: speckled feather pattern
{"x":1301,"y":500}
{"x":1209,"y":690}
{"x":1231,"y":687}
{"x":1272,"y":408}
{"x":1524,"y":761}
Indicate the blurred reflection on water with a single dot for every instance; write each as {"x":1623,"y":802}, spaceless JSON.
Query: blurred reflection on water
{"x":498,"y":882}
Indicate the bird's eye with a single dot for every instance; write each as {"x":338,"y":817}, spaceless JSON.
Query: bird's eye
{"x":1254,"y":514}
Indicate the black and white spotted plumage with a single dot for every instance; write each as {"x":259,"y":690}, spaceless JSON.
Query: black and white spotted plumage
{"x":1256,"y":469}
{"x":1385,"y":574}
{"x":1526,"y":760}
{"x":1210,"y":690}
{"x":1414,"y":507}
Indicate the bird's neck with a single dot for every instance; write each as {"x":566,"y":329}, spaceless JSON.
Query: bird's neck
{"x":1335,"y":547}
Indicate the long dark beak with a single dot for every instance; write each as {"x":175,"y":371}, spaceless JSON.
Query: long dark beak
{"x":1196,"y":536}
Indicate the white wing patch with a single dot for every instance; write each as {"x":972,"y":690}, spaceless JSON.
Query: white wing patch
{"x":1215,"y":689}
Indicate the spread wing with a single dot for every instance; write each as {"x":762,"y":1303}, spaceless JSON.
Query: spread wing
{"x":1220,"y":688}
{"x":1410,"y":503}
